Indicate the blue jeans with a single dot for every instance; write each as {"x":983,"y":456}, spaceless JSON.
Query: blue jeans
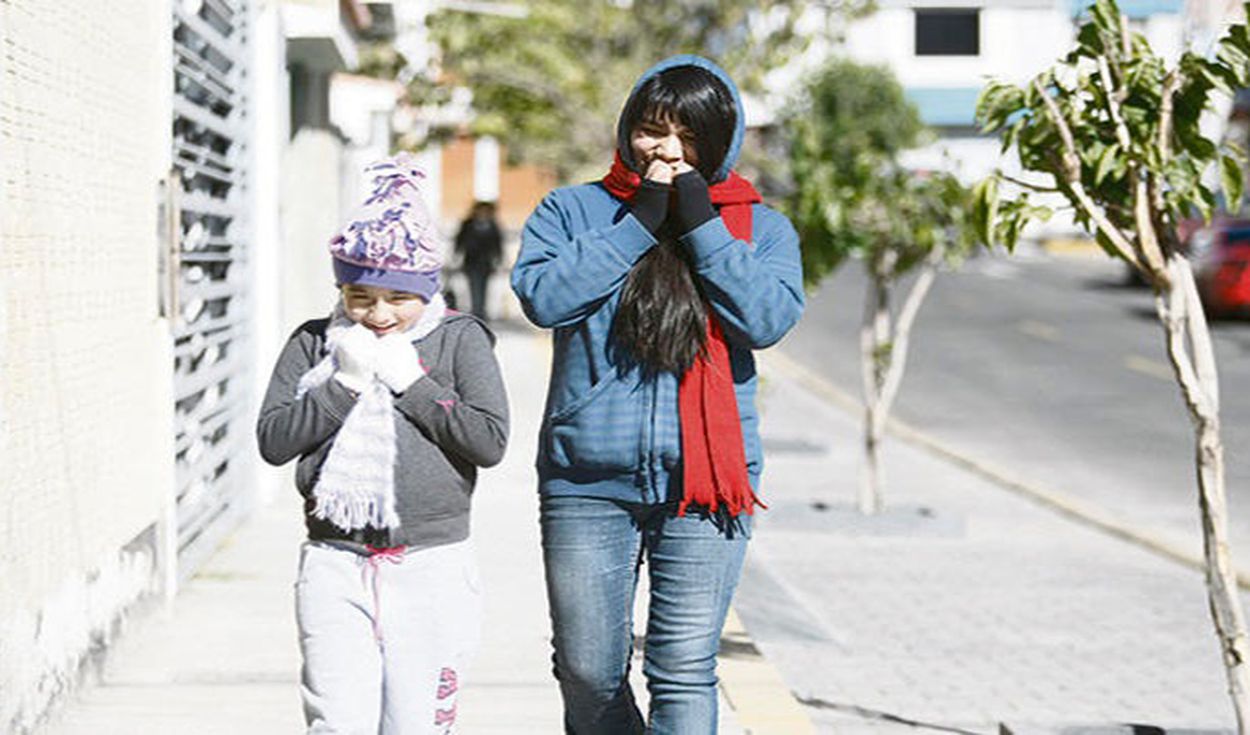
{"x":592,"y":550}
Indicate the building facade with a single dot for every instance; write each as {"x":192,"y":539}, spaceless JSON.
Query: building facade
{"x":149,"y":226}
{"x":944,"y":51}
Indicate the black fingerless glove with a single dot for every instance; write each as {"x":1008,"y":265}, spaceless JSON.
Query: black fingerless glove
{"x":650,"y":204}
{"x":694,"y":202}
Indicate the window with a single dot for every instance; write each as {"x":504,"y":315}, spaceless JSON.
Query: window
{"x":948,"y":32}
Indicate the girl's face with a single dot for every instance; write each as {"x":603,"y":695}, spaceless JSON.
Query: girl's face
{"x":380,"y":309}
{"x":662,"y":140}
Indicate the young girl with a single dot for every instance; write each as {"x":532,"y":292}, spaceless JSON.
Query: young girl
{"x":391,"y":405}
{"x":659,"y":281}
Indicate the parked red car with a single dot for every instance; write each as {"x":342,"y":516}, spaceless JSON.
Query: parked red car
{"x":1220,"y":255}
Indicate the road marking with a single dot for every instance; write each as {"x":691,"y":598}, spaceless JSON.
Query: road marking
{"x":1147,"y":366}
{"x":1038,"y":329}
{"x":1079,"y":247}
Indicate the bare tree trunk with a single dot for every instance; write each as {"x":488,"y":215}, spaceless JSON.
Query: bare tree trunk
{"x":874,"y":337}
{"x":1183,"y":320}
{"x":883,"y":354}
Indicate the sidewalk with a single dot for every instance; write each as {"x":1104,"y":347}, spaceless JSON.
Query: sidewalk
{"x":963,"y":606}
{"x":225,"y":660}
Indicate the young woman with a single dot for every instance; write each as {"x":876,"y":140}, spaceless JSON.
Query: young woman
{"x":659,"y":281}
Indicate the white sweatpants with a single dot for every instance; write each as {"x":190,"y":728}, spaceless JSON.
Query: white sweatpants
{"x":385,"y":639}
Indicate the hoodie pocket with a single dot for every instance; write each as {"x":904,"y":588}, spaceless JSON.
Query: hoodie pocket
{"x":600,"y":430}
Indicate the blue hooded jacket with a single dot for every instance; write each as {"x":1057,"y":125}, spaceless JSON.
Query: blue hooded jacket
{"x":609,"y":430}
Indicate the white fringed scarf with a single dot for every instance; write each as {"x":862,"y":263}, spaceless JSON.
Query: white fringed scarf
{"x":356,"y":487}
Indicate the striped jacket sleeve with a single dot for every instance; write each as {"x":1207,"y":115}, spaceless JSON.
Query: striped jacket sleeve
{"x":561,"y":278}
{"x":756,"y":290}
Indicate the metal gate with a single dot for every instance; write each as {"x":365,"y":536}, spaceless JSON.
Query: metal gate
{"x":206,"y":271}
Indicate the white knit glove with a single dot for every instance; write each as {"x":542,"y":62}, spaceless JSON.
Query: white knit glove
{"x":356,"y":355}
{"x":398,"y":365}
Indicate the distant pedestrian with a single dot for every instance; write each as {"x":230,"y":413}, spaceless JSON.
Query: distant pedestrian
{"x":480,"y":246}
{"x":391,"y":405}
{"x":659,"y":281}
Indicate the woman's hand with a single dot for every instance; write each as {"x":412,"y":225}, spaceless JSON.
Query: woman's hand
{"x":650,"y":202}
{"x":694,"y":202}
{"x":661,"y":172}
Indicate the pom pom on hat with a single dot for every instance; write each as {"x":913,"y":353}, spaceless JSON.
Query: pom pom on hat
{"x":390,"y":240}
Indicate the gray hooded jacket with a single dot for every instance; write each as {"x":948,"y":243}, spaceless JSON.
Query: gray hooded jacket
{"x":448,"y":423}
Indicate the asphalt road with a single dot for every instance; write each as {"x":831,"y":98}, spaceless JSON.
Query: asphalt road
{"x":1050,"y":368}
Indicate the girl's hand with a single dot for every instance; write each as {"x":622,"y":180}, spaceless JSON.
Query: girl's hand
{"x":681,"y":167}
{"x":355,"y":354}
{"x":398,"y":364}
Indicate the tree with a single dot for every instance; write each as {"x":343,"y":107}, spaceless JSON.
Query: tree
{"x":550,"y":86}
{"x":1115,"y":131}
{"x":853,"y":198}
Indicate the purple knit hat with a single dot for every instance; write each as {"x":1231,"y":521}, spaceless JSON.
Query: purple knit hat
{"x":390,"y":240}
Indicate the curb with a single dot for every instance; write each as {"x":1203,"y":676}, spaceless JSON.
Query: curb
{"x":1060,"y":502}
{"x":753,"y":687}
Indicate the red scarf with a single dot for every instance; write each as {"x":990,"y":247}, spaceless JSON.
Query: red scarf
{"x":714,"y":465}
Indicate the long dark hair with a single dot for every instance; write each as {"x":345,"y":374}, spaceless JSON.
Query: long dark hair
{"x":662,"y":318}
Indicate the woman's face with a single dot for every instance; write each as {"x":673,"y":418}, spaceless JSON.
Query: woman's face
{"x":664,"y":140}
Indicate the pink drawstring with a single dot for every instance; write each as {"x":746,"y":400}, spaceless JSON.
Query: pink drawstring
{"x":377,"y":555}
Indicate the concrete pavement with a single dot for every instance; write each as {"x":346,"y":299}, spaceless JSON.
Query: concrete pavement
{"x":224,"y":658}
{"x":963,"y":607}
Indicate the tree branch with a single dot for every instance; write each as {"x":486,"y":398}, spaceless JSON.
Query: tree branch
{"x":1113,"y":106}
{"x":1166,"y":234}
{"x":1167,"y":106}
{"x":902,"y":328}
{"x":1027,"y":185}
{"x":1147,"y":238}
{"x":1071,"y":162}
{"x":1071,"y":166}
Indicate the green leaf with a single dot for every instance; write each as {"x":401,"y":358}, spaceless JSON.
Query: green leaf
{"x":985,"y":208}
{"x":1039,"y":212}
{"x":1090,"y":41}
{"x":1232,"y":183}
{"x":996,"y":103}
{"x":1192,"y":140}
{"x":1105,"y":243}
{"x":1206,"y":202}
{"x":1106,"y":15}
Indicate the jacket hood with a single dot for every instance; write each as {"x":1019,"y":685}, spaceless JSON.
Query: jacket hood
{"x":735,"y":143}
{"x":455,"y":317}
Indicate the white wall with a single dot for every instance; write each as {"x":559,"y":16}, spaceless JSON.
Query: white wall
{"x":1019,"y":38}
{"x":1016,"y":42}
{"x":86,"y":380}
{"x":271,"y":113}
